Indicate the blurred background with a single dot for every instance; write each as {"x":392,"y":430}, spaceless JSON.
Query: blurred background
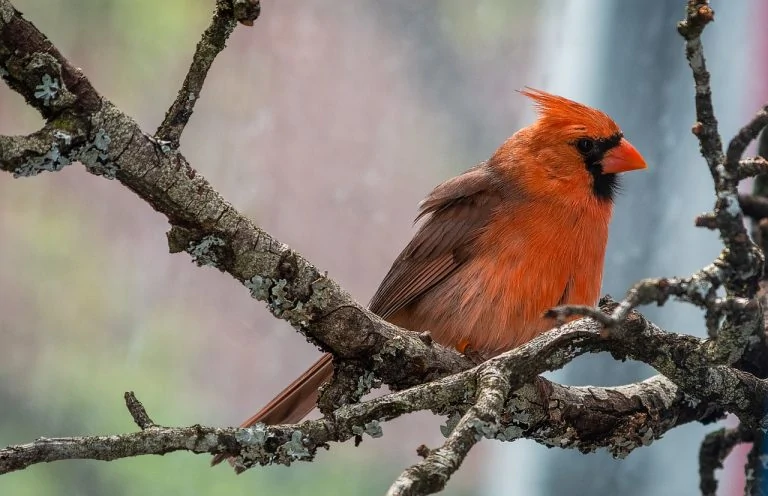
{"x":326,"y":123}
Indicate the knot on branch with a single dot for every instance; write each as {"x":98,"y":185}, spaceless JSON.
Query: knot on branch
{"x":246,"y":11}
{"x":699,"y":14}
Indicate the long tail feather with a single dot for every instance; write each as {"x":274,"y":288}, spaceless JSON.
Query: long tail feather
{"x":294,"y":402}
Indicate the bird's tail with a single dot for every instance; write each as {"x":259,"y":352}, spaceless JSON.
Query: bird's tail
{"x":295,"y":401}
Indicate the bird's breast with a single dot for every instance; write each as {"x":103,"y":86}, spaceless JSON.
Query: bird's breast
{"x":524,"y":263}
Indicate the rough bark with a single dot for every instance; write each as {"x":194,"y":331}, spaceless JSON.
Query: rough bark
{"x":502,"y":398}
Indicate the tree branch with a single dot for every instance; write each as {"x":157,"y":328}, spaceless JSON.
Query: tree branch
{"x":138,"y":412}
{"x":714,"y":450}
{"x":213,"y":41}
{"x":48,"y":150}
{"x":754,"y":166}
{"x":32,"y":66}
{"x":740,"y":254}
{"x":501,"y":398}
{"x":208,"y":228}
{"x":584,"y":418}
{"x":481,"y":420}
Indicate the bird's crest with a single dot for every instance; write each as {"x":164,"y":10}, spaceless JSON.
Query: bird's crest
{"x":557,"y":111}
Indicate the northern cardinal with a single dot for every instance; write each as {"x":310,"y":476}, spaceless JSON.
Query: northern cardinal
{"x":500,"y":244}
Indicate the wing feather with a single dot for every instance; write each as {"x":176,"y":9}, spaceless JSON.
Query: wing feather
{"x":456,"y":213}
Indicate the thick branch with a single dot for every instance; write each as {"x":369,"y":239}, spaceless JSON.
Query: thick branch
{"x":583,"y":418}
{"x":32,"y":66}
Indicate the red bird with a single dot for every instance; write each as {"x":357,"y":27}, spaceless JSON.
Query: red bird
{"x":501,"y":243}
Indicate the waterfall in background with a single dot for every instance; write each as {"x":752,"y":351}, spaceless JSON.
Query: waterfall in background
{"x":627,"y":59}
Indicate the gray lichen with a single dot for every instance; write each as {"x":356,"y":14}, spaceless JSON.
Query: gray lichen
{"x":646,"y":437}
{"x":279,"y":298}
{"x":321,"y":293}
{"x":729,"y":203}
{"x":7,"y":12}
{"x":365,"y":383}
{"x":510,"y":433}
{"x":260,"y":287}
{"x":48,"y":90}
{"x":372,"y":428}
{"x":280,"y":303}
{"x":253,"y":446}
{"x":298,"y":315}
{"x":53,"y":160}
{"x":256,"y":435}
{"x":94,"y":156}
{"x":450,"y":424}
{"x":483,"y":429}
{"x":701,"y":288}
{"x":690,"y":401}
{"x":295,"y":449}
{"x":203,"y":252}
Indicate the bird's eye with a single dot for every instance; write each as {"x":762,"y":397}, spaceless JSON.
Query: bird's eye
{"x":585,"y":145}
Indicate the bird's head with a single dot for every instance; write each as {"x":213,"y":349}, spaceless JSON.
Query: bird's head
{"x":571,"y":149}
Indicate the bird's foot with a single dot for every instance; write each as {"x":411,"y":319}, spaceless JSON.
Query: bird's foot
{"x":465,"y":348}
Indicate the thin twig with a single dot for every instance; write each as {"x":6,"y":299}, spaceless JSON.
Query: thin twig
{"x":561,"y":313}
{"x":212,"y":42}
{"x":482,"y":420}
{"x":714,"y":450}
{"x":743,"y":138}
{"x":700,"y":289}
{"x":707,"y":220}
{"x":751,"y":167}
{"x":755,"y":468}
{"x":699,"y":14}
{"x":138,"y":412}
{"x":740,"y":253}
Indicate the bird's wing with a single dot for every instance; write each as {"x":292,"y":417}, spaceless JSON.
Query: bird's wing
{"x":457,"y":211}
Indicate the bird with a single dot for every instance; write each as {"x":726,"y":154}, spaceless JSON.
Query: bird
{"x":500,"y":244}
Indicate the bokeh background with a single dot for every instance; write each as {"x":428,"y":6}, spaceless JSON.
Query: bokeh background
{"x":326,"y":123}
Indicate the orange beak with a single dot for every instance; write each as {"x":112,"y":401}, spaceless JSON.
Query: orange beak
{"x":622,"y":158}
